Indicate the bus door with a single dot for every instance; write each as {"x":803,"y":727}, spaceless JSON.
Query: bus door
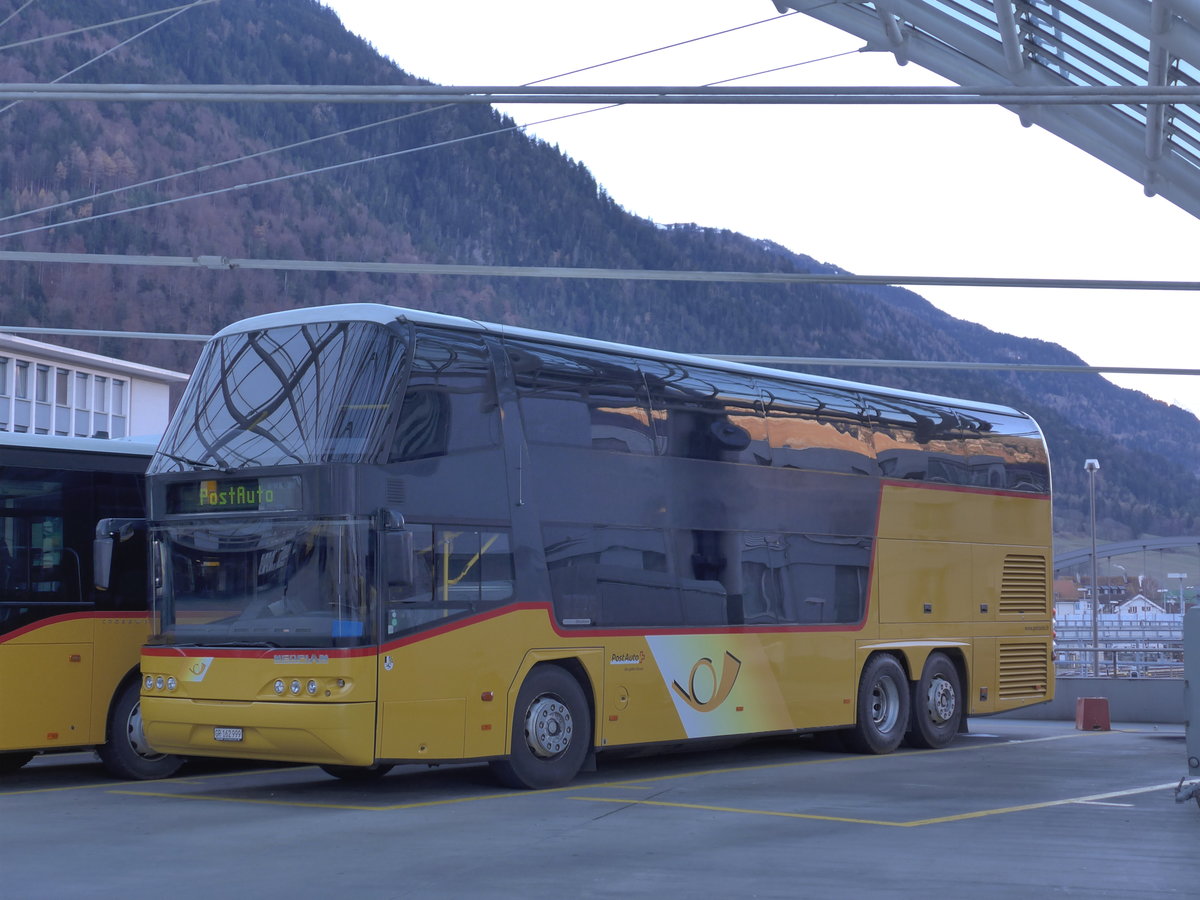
{"x":45,"y":645}
{"x":433,"y":666}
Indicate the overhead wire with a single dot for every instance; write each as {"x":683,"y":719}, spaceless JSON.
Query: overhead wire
{"x":85,"y":29}
{"x":810,"y":361}
{"x":391,"y":120}
{"x":99,"y":56}
{"x":16,"y":12}
{"x":376,"y":158}
{"x":586,"y":273}
{"x":807,"y":361}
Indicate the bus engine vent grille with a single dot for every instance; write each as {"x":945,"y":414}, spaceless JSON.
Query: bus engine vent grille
{"x":396,"y":491}
{"x":1024,"y":670}
{"x":1023,"y":586}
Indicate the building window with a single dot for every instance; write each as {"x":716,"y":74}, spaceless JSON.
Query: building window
{"x":62,"y":401}
{"x":120,"y":408}
{"x":41,"y":410}
{"x":21,"y":406}
{"x":83,"y":419}
{"x":100,"y":402}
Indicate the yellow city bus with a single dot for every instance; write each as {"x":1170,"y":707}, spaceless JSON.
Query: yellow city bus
{"x":384,"y":536}
{"x":69,"y":651}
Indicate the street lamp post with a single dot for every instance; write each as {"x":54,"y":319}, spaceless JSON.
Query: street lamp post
{"x":1091,"y":466}
{"x":1182,"y":576}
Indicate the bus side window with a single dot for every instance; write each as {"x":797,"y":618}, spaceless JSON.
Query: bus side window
{"x":612,"y":576}
{"x":457,"y":572}
{"x":798,"y":579}
{"x":704,"y":414}
{"x":450,"y":405}
{"x":582,"y":398}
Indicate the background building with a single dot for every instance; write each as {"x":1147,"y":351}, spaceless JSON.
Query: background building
{"x":47,"y":389}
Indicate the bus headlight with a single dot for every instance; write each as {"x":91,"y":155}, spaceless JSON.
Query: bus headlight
{"x":159,"y":682}
{"x":149,"y":682}
{"x":172,"y":683}
{"x":279,"y":686}
{"x":312,"y":687}
{"x":295,"y":687}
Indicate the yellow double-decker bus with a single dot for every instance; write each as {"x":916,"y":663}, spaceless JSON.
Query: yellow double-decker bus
{"x":69,"y":651}
{"x":383,"y":536}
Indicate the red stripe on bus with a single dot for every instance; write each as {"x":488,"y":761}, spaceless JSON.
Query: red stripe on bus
{"x":73,"y":617}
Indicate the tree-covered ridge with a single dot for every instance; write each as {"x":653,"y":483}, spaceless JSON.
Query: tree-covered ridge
{"x":496,"y":197}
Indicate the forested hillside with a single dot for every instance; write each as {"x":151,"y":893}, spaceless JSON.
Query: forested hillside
{"x":499,"y":198}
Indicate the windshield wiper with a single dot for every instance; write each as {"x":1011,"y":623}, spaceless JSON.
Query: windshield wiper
{"x":195,"y":463}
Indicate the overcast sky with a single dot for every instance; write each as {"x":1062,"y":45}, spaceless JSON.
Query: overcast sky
{"x":895,"y":190}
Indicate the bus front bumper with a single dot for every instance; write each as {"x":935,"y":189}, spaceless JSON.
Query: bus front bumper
{"x":322,"y":733}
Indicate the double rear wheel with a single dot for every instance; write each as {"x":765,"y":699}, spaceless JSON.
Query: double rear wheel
{"x":883,"y":706}
{"x":937,"y":705}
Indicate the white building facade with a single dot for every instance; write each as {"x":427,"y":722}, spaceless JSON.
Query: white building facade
{"x":46,"y":389}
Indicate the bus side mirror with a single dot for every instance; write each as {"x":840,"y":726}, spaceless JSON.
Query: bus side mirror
{"x":395,"y":550}
{"x":109,"y":533}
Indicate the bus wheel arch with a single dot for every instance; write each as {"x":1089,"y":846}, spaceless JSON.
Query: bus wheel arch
{"x":551,"y":729}
{"x":882,"y":705}
{"x":938,"y":702}
{"x":125,"y":752}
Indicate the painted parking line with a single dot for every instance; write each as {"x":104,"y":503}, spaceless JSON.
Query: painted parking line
{"x":351,"y":807}
{"x":634,"y":784}
{"x":915,"y":823}
{"x":182,"y":779}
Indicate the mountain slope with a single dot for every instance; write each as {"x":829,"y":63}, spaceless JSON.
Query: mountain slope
{"x":482,"y":193}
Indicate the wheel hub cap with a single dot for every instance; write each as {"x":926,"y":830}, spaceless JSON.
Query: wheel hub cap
{"x":548,"y":727}
{"x":942,"y":702}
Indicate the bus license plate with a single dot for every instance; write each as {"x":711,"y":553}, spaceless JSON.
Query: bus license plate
{"x":227,"y":734}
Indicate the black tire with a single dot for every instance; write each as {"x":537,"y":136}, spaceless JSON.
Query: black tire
{"x":937,"y":705}
{"x":126,"y":754}
{"x":10,"y":762}
{"x":882,"y":711}
{"x":551,"y":732}
{"x":358,"y":773}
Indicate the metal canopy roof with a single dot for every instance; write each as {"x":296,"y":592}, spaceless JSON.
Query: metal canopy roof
{"x":1056,"y":44}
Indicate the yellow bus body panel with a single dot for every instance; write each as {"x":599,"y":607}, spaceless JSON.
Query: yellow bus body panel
{"x":970,"y":571}
{"x":59,"y":676}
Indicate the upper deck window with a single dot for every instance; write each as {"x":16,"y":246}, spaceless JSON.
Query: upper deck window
{"x":450,"y":404}
{"x":318,"y":392}
{"x":582,"y":398}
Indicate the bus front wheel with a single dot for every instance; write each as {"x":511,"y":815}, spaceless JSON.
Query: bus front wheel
{"x":883,"y":703}
{"x":937,"y":705}
{"x":126,"y":754}
{"x":551,"y":732}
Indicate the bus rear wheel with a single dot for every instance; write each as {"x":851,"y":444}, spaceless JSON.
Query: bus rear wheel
{"x":937,"y":705}
{"x":10,"y":762}
{"x":551,"y":732}
{"x":126,"y":754}
{"x":883,"y":703}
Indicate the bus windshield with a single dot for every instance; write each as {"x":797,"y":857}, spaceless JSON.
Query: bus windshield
{"x":309,"y":393}
{"x":263,"y":582}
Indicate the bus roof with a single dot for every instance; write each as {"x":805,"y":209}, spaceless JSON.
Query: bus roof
{"x":387,"y":315}
{"x":132,"y":446}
